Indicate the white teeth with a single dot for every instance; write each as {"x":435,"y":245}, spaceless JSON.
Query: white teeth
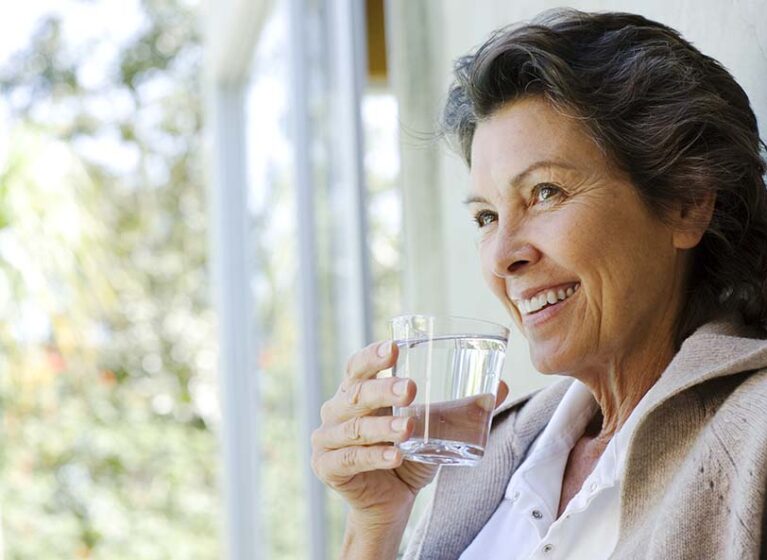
{"x":551,"y":297}
{"x":541,"y":300}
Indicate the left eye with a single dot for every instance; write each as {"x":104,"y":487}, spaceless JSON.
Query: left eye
{"x":545,"y":192}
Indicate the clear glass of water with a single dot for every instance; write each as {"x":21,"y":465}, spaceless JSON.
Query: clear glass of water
{"x":456,"y":365}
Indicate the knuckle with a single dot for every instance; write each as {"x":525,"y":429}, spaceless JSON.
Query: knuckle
{"x":325,"y":411}
{"x":343,"y":388}
{"x":318,"y":467}
{"x":350,"y":365}
{"x":349,"y":457}
{"x":356,"y":362}
{"x":315,"y":440}
{"x":353,"y":428}
{"x":355,"y":392}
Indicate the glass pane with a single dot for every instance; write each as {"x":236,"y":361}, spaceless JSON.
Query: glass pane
{"x":380,"y":120}
{"x":273,"y":280}
{"x":275,"y":266}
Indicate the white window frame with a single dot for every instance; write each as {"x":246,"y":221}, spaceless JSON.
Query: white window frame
{"x":232,"y":28}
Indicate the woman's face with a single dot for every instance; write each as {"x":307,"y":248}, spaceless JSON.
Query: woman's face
{"x":587,"y":272}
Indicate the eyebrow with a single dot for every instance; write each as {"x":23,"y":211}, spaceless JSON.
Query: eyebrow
{"x":521,"y":176}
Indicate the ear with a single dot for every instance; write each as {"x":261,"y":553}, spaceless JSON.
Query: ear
{"x":691,"y":221}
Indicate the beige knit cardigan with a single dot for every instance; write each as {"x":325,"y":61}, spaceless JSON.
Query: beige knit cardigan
{"x":696,"y":469}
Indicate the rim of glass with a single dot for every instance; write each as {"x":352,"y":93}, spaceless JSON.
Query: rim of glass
{"x":404,"y":316}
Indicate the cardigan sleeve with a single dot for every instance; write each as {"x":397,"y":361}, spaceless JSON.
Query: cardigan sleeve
{"x":416,"y":540}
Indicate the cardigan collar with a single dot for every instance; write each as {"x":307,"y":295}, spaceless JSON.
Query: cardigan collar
{"x":717,"y":349}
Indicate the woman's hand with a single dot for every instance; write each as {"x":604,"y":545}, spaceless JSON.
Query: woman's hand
{"x":352,"y":450}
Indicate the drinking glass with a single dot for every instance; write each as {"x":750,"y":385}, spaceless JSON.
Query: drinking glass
{"x":456,"y":365}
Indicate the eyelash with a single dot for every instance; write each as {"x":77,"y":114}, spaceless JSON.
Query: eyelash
{"x":479,"y":217}
{"x":540,"y":187}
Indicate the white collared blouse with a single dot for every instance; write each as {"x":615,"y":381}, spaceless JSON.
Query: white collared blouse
{"x":525,"y":527}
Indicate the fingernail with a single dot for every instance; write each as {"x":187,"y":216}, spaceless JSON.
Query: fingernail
{"x":400,"y":388}
{"x":399,"y":424}
{"x":390,"y":454}
{"x":384,"y":349}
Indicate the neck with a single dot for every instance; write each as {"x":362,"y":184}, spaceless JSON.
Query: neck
{"x":620,"y":385}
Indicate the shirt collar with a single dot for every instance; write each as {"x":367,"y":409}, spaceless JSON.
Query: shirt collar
{"x":568,"y":423}
{"x":548,"y":456}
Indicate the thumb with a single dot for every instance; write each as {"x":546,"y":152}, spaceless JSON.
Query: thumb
{"x":503,"y":392}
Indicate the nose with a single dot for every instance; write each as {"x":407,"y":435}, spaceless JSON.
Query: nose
{"x":512,"y":255}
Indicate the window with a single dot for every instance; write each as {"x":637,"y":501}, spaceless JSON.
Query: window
{"x":322,"y":260}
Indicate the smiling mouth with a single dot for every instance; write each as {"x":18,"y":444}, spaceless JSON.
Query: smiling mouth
{"x":545,"y":299}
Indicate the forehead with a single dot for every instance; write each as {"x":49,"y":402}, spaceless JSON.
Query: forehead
{"x":525,"y":132}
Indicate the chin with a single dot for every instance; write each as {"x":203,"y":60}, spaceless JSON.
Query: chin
{"x":548,"y":361}
{"x":546,"y":369}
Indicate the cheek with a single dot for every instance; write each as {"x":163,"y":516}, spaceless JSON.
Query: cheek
{"x":622,"y":259}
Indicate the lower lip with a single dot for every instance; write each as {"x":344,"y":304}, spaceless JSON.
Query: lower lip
{"x":539,"y":317}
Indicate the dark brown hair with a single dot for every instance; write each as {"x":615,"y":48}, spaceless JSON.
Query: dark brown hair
{"x":669,"y":116}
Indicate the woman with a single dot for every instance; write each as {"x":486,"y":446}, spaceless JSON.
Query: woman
{"x":617,"y":184}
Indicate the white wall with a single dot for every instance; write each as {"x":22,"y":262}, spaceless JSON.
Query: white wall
{"x":733,"y":32}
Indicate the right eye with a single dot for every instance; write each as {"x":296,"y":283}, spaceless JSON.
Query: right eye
{"x":484,"y":218}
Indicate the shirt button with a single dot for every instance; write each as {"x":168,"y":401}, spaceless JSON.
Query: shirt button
{"x":537,"y":514}
{"x":593,"y":486}
{"x":548,"y":548}
{"x":515,"y":497}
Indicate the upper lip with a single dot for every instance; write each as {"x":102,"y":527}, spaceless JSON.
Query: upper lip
{"x":530,"y":292}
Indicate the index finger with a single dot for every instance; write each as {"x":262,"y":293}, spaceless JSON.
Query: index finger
{"x":375,"y":357}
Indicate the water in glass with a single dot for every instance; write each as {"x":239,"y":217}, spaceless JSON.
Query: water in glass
{"x":454,"y":404}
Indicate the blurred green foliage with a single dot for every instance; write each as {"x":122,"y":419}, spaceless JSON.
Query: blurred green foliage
{"x":107,"y":351}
